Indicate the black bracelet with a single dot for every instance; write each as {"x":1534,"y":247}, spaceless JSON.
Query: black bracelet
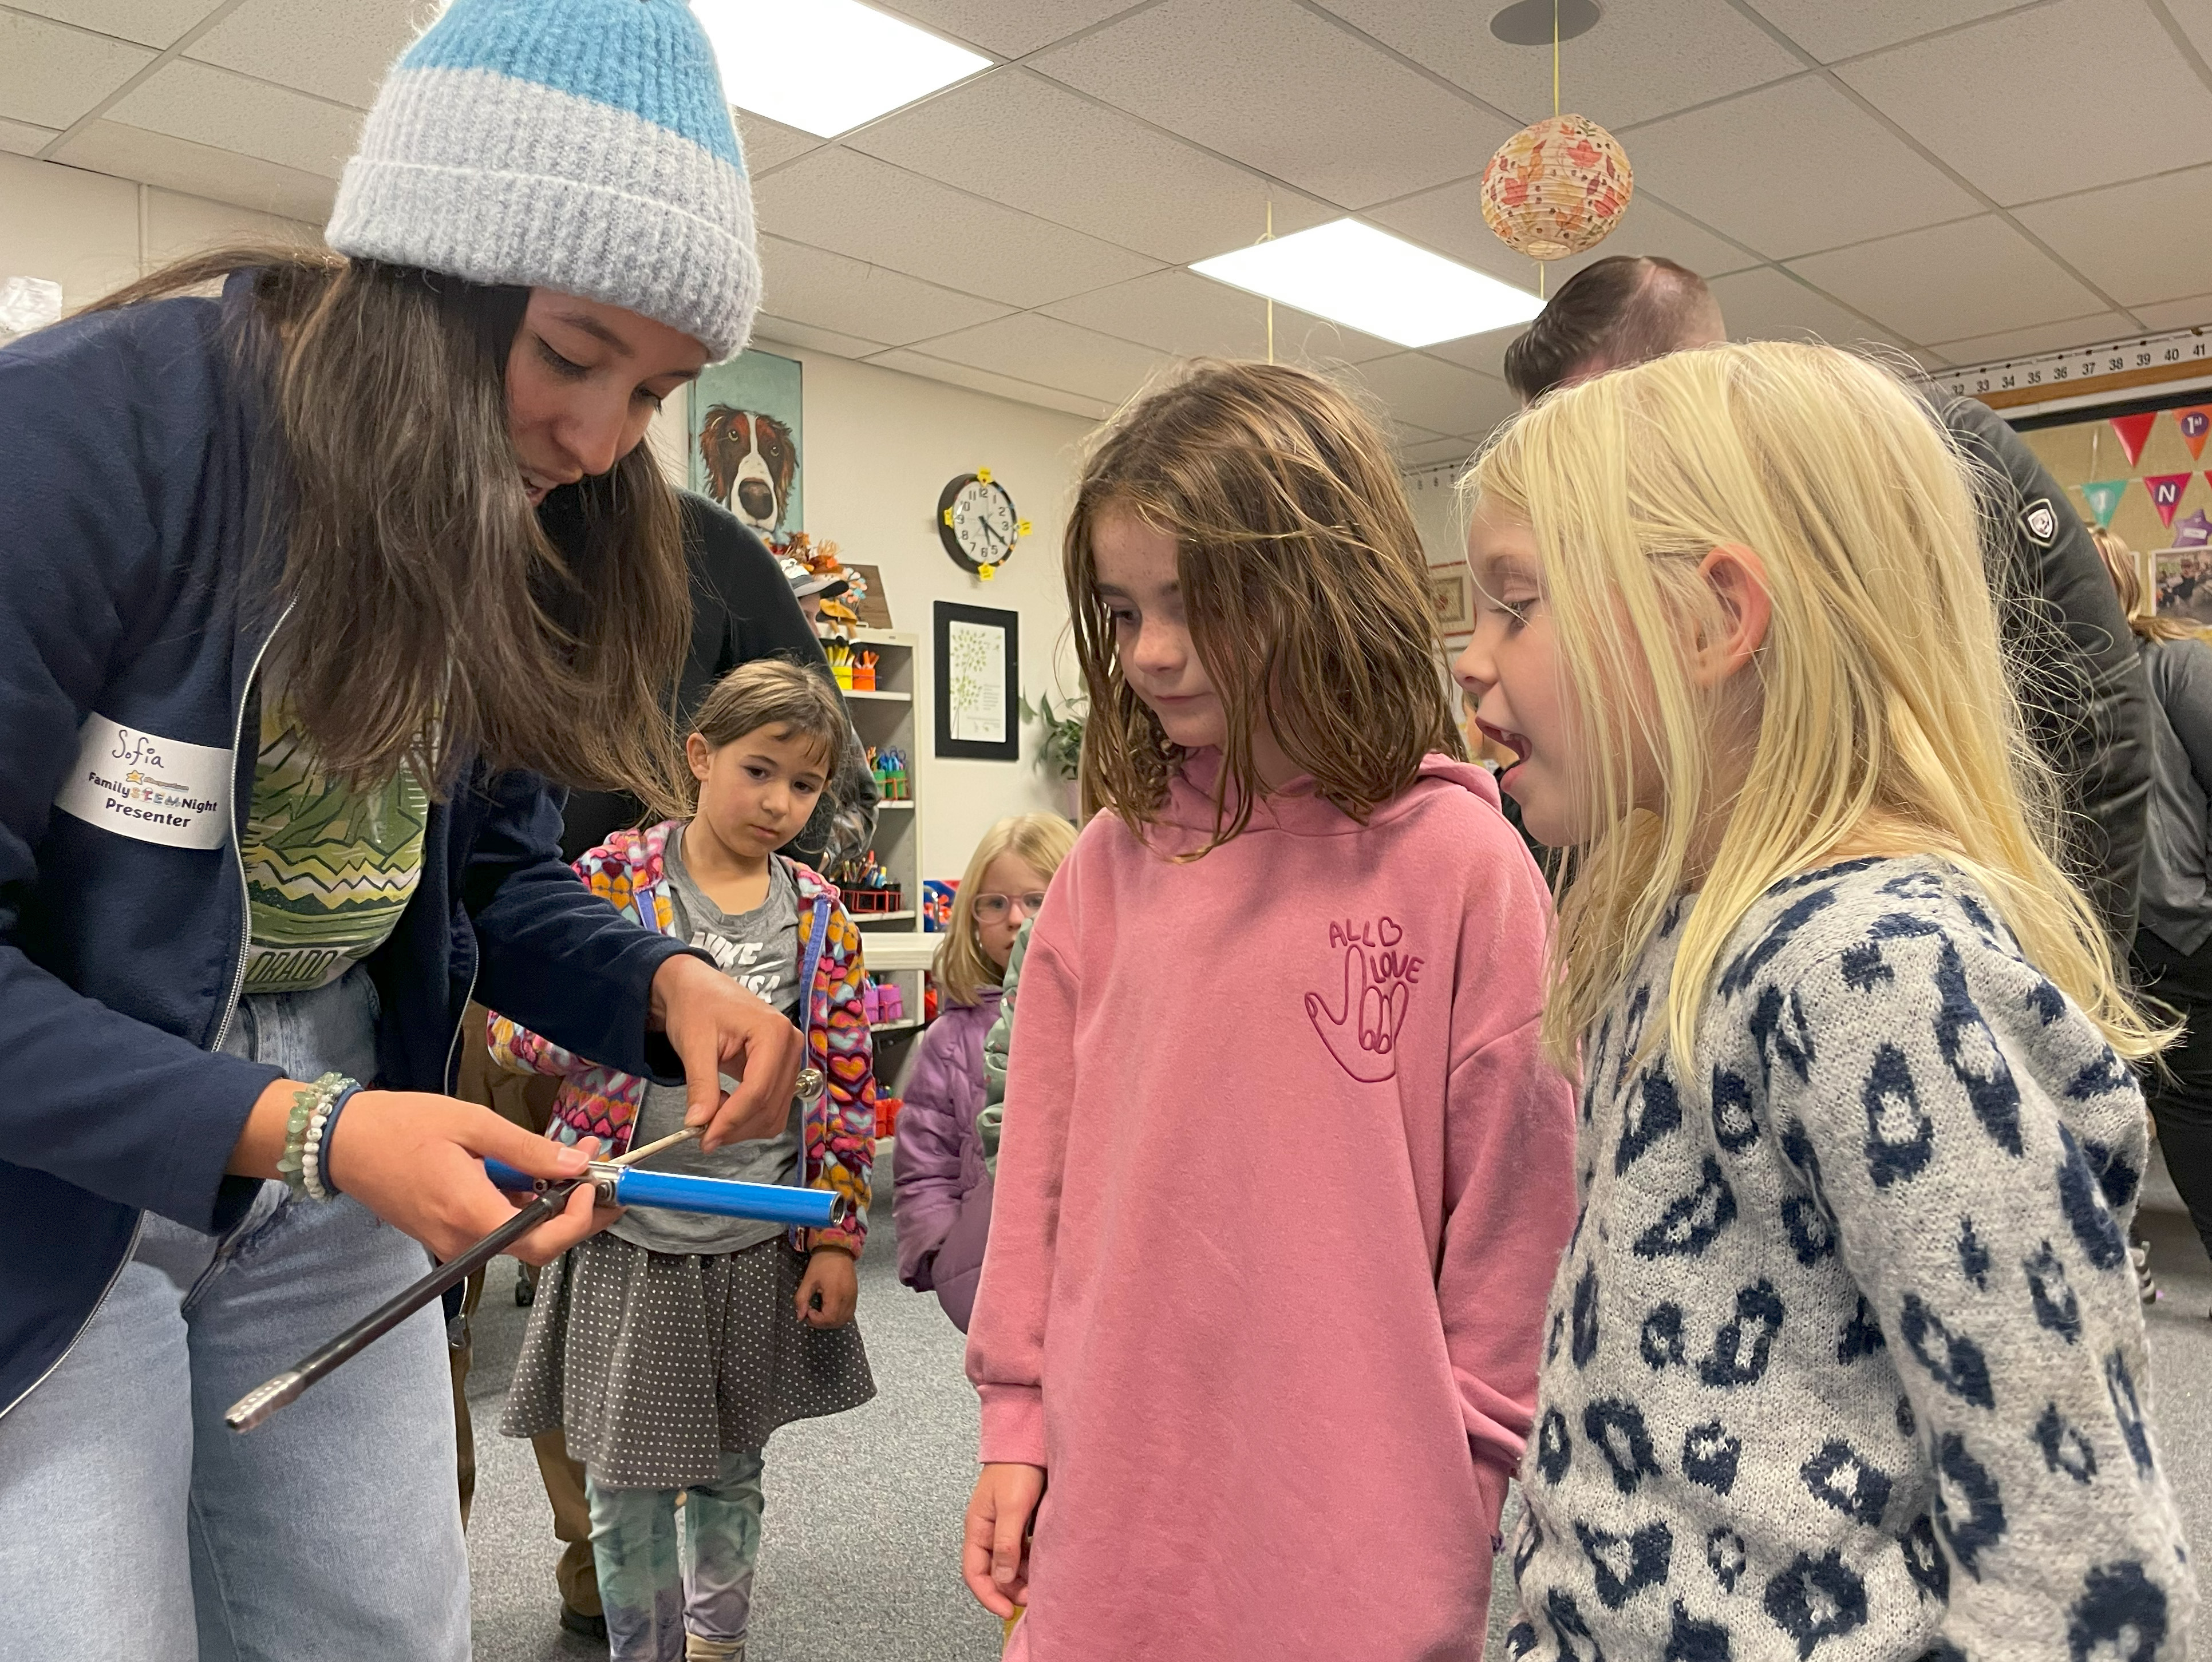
{"x":330,"y":1190}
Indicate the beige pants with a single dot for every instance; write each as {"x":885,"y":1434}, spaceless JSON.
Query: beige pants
{"x":529,"y":1103}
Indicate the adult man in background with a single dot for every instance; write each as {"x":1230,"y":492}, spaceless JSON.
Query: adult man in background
{"x":2087,"y":704}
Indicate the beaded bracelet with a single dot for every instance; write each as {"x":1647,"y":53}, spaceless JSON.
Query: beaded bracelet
{"x":303,"y":1135}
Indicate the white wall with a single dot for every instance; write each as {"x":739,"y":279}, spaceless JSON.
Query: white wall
{"x":879,"y":448}
{"x":1437,"y":514}
{"x":91,"y":232}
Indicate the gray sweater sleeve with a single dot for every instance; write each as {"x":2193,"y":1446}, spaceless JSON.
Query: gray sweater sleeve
{"x":2181,"y":676}
{"x":997,"y":1047}
{"x":1975,"y":1149}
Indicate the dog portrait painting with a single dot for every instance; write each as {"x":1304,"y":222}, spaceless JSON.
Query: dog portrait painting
{"x":747,"y":441}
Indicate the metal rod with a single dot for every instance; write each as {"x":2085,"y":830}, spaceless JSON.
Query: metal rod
{"x":258,"y":1404}
{"x":616,"y":1185}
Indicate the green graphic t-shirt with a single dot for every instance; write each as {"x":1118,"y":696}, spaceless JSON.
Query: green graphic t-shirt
{"x":328,"y":868}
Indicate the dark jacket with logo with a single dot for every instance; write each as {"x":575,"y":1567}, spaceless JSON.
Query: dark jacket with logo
{"x":2089,"y":708}
{"x":126,"y":493}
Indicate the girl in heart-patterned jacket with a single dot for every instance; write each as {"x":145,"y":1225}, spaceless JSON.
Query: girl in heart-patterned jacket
{"x":669,"y":1347}
{"x":1844,"y":1359}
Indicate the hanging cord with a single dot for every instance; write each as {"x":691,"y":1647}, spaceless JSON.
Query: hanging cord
{"x":1269,"y":236}
{"x":1542,"y":269}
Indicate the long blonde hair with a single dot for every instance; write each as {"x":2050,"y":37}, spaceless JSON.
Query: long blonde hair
{"x":1886,"y":713}
{"x":1301,"y":575}
{"x":1040,"y":841}
{"x":2127,"y":582}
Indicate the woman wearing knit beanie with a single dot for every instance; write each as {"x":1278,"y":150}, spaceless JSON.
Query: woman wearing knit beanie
{"x":309,"y":587}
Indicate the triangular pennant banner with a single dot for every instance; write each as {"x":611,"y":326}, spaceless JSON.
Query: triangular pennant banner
{"x":2196,"y":422}
{"x":2104,"y":496}
{"x":2166,"y":490}
{"x":2134,"y":430}
{"x":2194,"y":532}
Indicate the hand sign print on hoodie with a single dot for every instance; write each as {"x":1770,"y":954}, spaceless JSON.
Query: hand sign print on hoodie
{"x":1379,"y":978}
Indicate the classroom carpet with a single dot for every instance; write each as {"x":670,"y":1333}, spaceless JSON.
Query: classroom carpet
{"x":860,"y":1557}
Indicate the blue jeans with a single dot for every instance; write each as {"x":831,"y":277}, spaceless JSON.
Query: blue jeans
{"x":650,"y":1594}
{"x":134,"y":1522}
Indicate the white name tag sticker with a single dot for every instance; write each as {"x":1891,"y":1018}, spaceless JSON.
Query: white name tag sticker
{"x":139,"y":784}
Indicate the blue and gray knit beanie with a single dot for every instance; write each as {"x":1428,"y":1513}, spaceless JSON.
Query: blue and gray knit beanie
{"x":578,"y":145}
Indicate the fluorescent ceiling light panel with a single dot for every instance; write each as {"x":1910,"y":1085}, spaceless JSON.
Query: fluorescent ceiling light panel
{"x":825,"y":66}
{"x":1368,"y":280}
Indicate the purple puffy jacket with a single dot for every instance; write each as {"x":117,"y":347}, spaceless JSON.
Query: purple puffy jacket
{"x":941,"y":1200}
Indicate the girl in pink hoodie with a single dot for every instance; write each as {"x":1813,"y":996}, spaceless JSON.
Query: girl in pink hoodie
{"x":1285,"y":1171}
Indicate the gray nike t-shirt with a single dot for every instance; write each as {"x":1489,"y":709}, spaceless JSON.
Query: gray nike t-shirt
{"x":759,"y":949}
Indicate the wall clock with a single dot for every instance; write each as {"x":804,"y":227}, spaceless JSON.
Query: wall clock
{"x":978,"y":524}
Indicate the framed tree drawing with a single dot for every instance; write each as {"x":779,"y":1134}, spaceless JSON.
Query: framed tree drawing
{"x":978,"y":667}
{"x":1451,"y":592}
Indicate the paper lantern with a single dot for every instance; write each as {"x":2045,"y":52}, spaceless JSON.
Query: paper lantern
{"x":1556,"y":187}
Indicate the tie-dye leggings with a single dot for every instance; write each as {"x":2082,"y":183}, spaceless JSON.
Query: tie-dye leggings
{"x":652,"y":1590}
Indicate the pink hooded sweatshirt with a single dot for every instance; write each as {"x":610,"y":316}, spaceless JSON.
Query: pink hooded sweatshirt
{"x":1284,"y":1180}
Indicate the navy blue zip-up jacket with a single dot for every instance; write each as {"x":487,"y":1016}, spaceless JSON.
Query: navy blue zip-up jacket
{"x":127,"y":453}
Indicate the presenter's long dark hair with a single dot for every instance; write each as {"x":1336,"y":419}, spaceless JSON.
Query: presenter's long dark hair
{"x":432,"y":618}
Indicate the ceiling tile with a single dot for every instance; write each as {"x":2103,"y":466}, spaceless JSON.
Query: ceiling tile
{"x":200,"y":170}
{"x":1318,"y":106}
{"x":1449,"y":220}
{"x":2092,"y":331}
{"x":770,"y":143}
{"x":868,"y":302}
{"x":769,"y":330}
{"x":52,"y":76}
{"x":338,"y":52}
{"x":869,"y":210}
{"x":1974,"y":277}
{"x":1830,"y":31}
{"x":2141,"y":241}
{"x":982,"y":380}
{"x":229,"y":112}
{"x":2108,"y":59}
{"x":1441,"y":397}
{"x":22,"y":138}
{"x":1484,"y":352}
{"x":177,"y":224}
{"x":1641,"y":60}
{"x":1793,"y":168}
{"x":73,"y":228}
{"x":1180,"y":312}
{"x":149,"y":22}
{"x":1767,"y":305}
{"x":2190,"y":313}
{"x":2195,"y":17}
{"x":1008,"y":30}
{"x":1033,"y":347}
{"x":1031,"y":143}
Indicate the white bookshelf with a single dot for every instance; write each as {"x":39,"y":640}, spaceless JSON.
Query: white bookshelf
{"x":892,"y":943}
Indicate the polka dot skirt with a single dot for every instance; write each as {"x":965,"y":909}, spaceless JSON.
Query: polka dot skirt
{"x":656,"y":1363}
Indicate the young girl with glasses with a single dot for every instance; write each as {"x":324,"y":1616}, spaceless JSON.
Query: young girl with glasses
{"x":942,"y":1202}
{"x":1284,"y":1172}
